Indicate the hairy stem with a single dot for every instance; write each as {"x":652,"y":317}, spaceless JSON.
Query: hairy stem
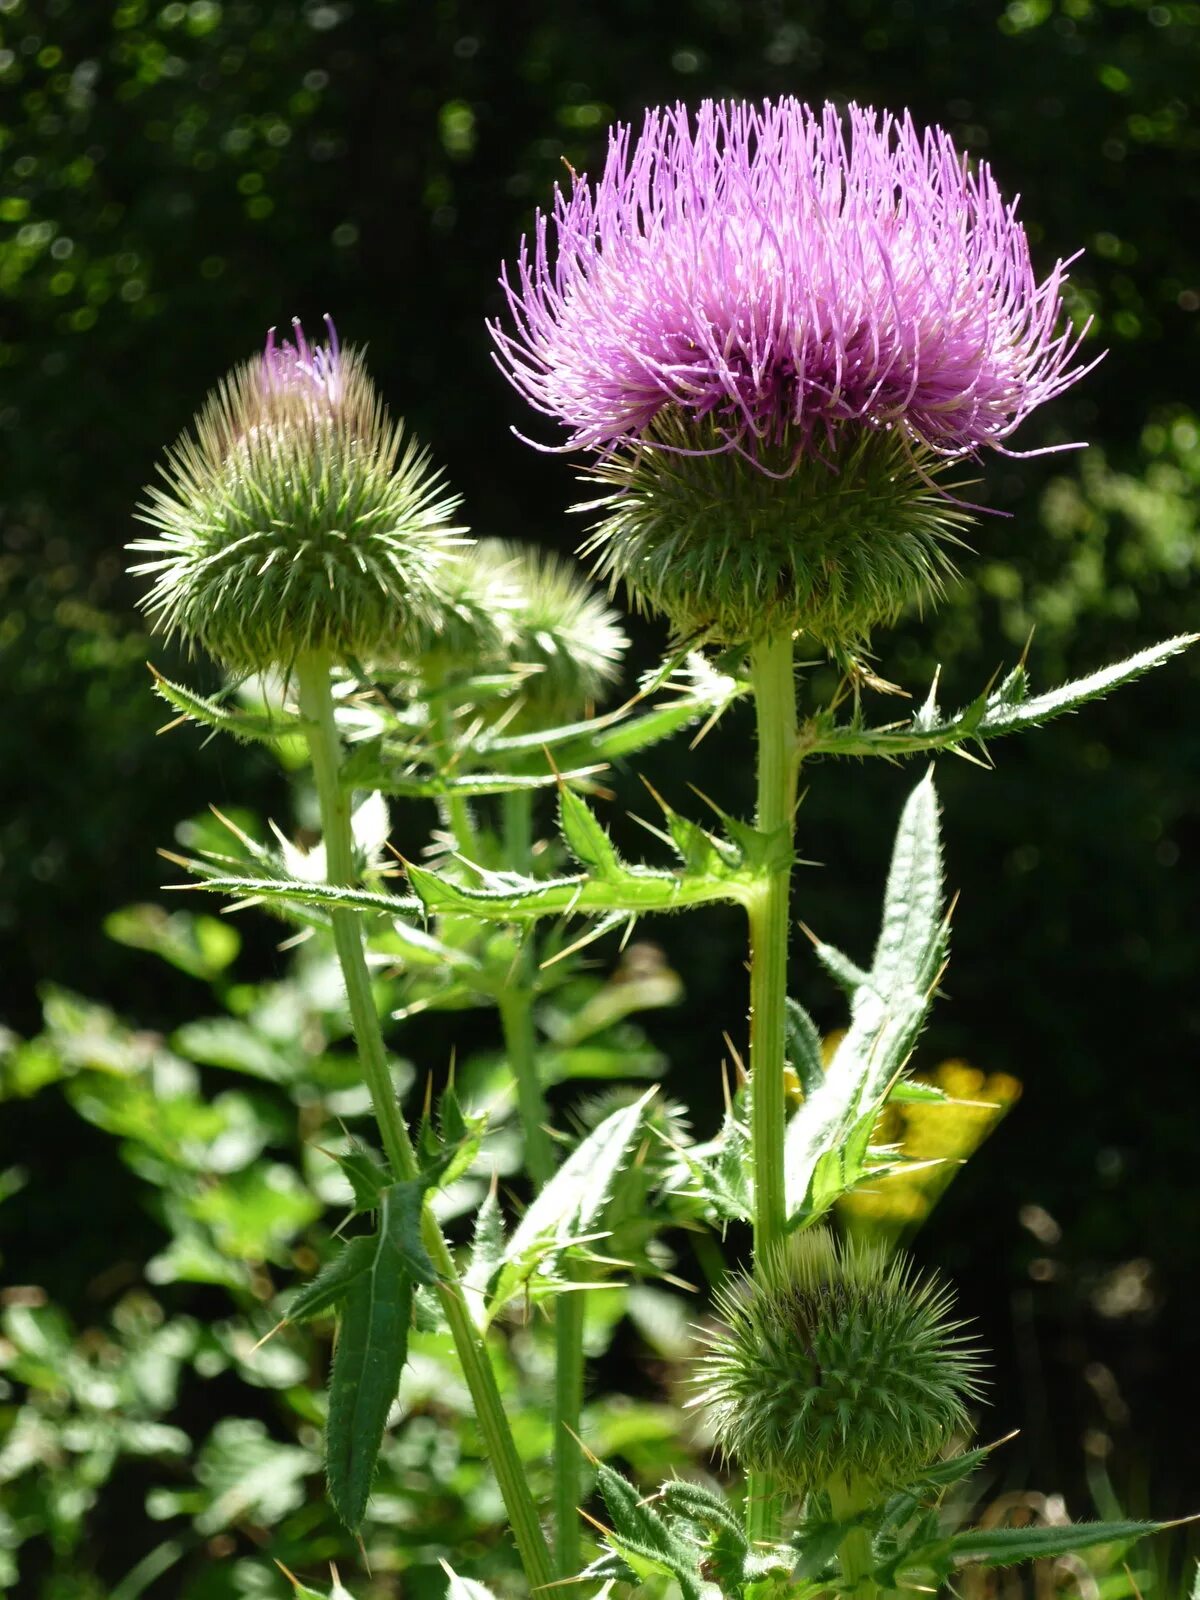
{"x":854,"y":1552}
{"x":316,"y":708}
{"x":772,"y":673}
{"x":516,"y":1016}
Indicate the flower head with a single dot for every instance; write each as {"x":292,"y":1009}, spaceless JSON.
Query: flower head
{"x":807,"y":294}
{"x":781,"y":271}
{"x":840,"y":1364}
{"x":295,"y":517}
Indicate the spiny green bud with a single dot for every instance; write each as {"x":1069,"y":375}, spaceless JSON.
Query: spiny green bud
{"x":841,"y":1366}
{"x":564,"y":630}
{"x":296,"y":517}
{"x":732,"y":549}
{"x":507,"y":605}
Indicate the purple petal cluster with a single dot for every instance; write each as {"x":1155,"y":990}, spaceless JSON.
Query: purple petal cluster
{"x":295,"y":367}
{"x":776,"y":272}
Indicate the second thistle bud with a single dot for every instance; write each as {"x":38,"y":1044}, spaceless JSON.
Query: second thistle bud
{"x":840,"y":1367}
{"x":296,"y":518}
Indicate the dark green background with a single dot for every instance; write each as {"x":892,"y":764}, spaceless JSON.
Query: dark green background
{"x":179,"y":177}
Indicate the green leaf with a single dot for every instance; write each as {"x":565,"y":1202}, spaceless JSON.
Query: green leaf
{"x":804,"y":1048}
{"x":508,"y":897}
{"x":400,"y":1210}
{"x":369,"y":768}
{"x":201,"y":946}
{"x":702,"y":1505}
{"x":587,"y":840}
{"x":1004,"y":1547}
{"x":332,"y":1284}
{"x":1008,"y":709}
{"x":366,"y":1175}
{"x":299,"y":892}
{"x":375,"y":1288}
{"x":245,"y":726}
{"x":642,"y":1538}
{"x":888,"y":1007}
{"x":572,"y":1202}
{"x":371,"y":1349}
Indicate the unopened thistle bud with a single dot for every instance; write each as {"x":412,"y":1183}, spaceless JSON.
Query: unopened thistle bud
{"x":514,"y":606}
{"x":776,"y":328}
{"x":842,"y":1366}
{"x":295,"y":517}
{"x":562,"y":629}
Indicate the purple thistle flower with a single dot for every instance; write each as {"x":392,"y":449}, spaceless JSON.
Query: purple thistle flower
{"x":773,"y":273}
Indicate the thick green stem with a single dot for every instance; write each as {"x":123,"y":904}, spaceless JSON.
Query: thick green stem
{"x":316,"y":707}
{"x":516,"y":1015}
{"x":854,"y":1552}
{"x":772,"y":673}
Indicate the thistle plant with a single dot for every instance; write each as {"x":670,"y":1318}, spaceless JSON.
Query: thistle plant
{"x":776,"y":330}
{"x":777,"y":337}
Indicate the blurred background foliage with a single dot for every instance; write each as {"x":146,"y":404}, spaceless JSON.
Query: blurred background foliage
{"x":177,"y":178}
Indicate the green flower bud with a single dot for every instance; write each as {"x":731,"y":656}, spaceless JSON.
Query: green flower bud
{"x":508,"y":605}
{"x":562,"y":629}
{"x":842,"y":1366}
{"x":296,"y":517}
{"x":732,"y":550}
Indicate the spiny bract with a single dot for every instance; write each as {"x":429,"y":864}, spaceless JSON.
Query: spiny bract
{"x":296,"y":517}
{"x":833,"y":546}
{"x":841,"y":1366}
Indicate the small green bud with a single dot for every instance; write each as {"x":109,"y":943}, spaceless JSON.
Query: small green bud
{"x":515,"y":606}
{"x":733,"y":550}
{"x":296,"y":517}
{"x":564,"y":630}
{"x":841,"y":1366}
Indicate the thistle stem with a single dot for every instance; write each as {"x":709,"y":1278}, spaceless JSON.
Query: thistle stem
{"x":772,"y":673}
{"x":569,"y":1312}
{"x":854,"y":1553}
{"x":516,"y":1008}
{"x":316,"y":708}
{"x":516,"y":1017}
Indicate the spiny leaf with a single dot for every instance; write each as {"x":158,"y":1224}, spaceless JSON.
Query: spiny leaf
{"x":1004,"y":1547}
{"x":366,"y":1174}
{"x":587,"y":840}
{"x":572,"y":1202}
{"x":507,"y":897}
{"x":334,"y":1281}
{"x":641,"y":1536}
{"x":298,"y":891}
{"x":804,"y":1048}
{"x":367,"y":768}
{"x":888,"y":1007}
{"x":245,"y":726}
{"x":371,"y":1349}
{"x":1007,"y":709}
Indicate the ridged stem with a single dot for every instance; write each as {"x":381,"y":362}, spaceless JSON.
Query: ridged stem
{"x":316,"y":708}
{"x":516,"y":1016}
{"x":772,"y":675}
{"x":854,"y":1552}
